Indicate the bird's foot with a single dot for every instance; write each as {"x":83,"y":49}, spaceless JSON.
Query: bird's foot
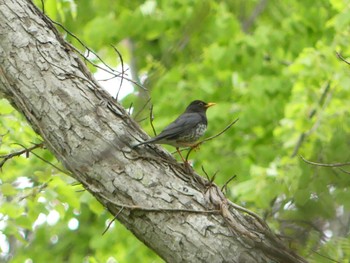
{"x":188,"y":167}
{"x":196,"y":146}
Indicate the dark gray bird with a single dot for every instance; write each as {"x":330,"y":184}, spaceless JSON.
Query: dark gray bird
{"x":186,"y":129}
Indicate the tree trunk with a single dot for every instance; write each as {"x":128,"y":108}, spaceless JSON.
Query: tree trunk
{"x":175,"y":212}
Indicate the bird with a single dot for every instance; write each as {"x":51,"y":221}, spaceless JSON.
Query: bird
{"x":186,"y":129}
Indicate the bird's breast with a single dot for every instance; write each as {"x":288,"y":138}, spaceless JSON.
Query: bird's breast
{"x":193,"y":134}
{"x":200,"y":130}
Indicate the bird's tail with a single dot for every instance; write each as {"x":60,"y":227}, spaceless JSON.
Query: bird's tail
{"x":141,"y":143}
{"x":138,"y":144}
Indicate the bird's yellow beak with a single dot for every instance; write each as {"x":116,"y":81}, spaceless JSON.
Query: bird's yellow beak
{"x":209,"y":104}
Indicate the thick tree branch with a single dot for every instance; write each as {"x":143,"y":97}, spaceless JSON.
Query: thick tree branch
{"x":43,"y":77}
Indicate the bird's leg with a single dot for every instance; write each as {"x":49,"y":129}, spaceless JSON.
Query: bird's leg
{"x":177,"y":149}
{"x":186,"y":163}
{"x":192,"y":146}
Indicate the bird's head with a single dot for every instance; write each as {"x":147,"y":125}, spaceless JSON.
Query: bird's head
{"x":199,"y":106}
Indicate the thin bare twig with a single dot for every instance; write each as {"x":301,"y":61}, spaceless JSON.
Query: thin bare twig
{"x":240,"y":208}
{"x":42,"y":159}
{"x":143,"y":119}
{"x":151,"y":118}
{"x":19,"y":153}
{"x":342,"y":58}
{"x":54,"y":166}
{"x":26,"y":151}
{"x":122,"y":73}
{"x":344,"y":171}
{"x":217,"y":135}
{"x":324,"y":256}
{"x":130,"y":107}
{"x":142,"y":108}
{"x":114,"y":218}
{"x":325,"y":164}
{"x":43,"y":6}
{"x":37,"y":190}
{"x":224,"y":187}
{"x":110,"y":70}
{"x":113,"y":77}
{"x":210,"y":179}
{"x":205,"y":172}
{"x":86,"y":47}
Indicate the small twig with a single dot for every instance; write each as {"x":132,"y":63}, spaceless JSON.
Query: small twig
{"x":258,"y":218}
{"x":19,"y":153}
{"x":122,"y":73}
{"x":45,"y":161}
{"x":54,"y":166}
{"x":143,"y":119}
{"x":43,"y":6}
{"x":142,"y":108}
{"x":324,"y":256}
{"x":224,"y":187}
{"x":205,"y":172}
{"x":37,"y":189}
{"x":26,"y":151}
{"x":217,"y":135}
{"x":151,"y":118}
{"x":342,"y":58}
{"x":113,"y":77}
{"x":210,"y":179}
{"x":325,"y":164}
{"x":114,"y":218}
{"x":344,"y":171}
{"x":211,"y":137}
{"x":82,"y":43}
{"x":298,"y":144}
{"x":110,"y":70}
{"x":130,"y":107}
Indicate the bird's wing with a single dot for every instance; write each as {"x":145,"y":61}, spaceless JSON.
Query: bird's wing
{"x":185,"y":122}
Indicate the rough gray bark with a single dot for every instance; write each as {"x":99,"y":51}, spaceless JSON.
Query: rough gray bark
{"x":174,"y":212}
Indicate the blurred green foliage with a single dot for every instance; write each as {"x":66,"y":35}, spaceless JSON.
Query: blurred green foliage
{"x":272,"y":64}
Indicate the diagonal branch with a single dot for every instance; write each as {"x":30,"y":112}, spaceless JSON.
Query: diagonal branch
{"x":342,"y":58}
{"x":325,"y":164}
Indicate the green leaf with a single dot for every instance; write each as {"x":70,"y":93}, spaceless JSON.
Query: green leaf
{"x":8,"y":190}
{"x":11,"y":209}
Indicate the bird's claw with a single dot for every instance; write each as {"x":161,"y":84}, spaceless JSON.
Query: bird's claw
{"x":196,"y":147}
